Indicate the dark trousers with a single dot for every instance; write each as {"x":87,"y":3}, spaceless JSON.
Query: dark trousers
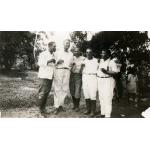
{"x":44,"y":90}
{"x":75,"y":85}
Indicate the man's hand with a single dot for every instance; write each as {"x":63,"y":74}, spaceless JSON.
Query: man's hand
{"x":60,"y":62}
{"x":83,"y":65}
{"x":51,"y":61}
{"x":73,"y":64}
{"x":104,"y":70}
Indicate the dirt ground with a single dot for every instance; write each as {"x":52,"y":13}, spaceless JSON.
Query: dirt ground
{"x":19,"y":99}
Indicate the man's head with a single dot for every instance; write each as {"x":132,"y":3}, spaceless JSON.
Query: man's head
{"x":66,"y":44}
{"x":105,"y":54}
{"x":76,"y":52}
{"x":52,"y":47}
{"x":89,"y":53}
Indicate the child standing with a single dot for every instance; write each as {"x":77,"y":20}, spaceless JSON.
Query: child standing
{"x":132,"y":85}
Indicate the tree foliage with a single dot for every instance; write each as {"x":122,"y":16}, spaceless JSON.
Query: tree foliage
{"x":125,"y":44}
{"x":79,"y":38}
{"x":15,"y":43}
{"x":122,"y":43}
{"x":131,"y":44}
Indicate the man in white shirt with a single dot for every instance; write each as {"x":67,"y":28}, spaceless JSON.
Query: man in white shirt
{"x":76,"y":78}
{"x":46,"y":65}
{"x":106,"y":83}
{"x":64,"y":62}
{"x":89,"y":81}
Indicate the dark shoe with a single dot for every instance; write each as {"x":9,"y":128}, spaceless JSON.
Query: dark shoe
{"x":77,"y":109}
{"x":77,"y":105}
{"x":73,"y":108}
{"x":56,"y":112}
{"x":61,"y":108}
{"x":74,"y":103}
{"x":44,"y":113}
{"x":87,"y":112}
{"x":88,"y":107}
{"x":102,"y":116}
{"x":93,"y":108}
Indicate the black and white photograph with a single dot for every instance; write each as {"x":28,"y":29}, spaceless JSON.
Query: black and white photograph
{"x":75,"y":74}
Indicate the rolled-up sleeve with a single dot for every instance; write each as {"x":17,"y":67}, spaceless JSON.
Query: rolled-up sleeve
{"x":113,"y":67}
{"x":42,"y":62}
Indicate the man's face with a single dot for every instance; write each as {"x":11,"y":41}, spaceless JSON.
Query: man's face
{"x":103,"y":55}
{"x":52,"y":48}
{"x":89,"y":53}
{"x":76,"y":52}
{"x":66,"y":44}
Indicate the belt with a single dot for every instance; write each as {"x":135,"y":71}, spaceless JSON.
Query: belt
{"x":90,"y":73}
{"x":75,"y":73}
{"x":63,"y":68}
{"x":103,"y":77}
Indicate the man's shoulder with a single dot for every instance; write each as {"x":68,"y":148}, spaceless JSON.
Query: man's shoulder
{"x":82,"y":58}
{"x":112,"y":61}
{"x":58,"y":53}
{"x":95,"y":59}
{"x":70,"y":53}
{"x":43,"y":52}
{"x":85,"y":59}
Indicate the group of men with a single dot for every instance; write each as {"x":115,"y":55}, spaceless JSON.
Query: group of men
{"x":72,"y":72}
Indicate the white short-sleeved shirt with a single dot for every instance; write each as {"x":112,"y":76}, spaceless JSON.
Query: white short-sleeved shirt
{"x":46,"y":71}
{"x":67,"y":57}
{"x":77,"y":64}
{"x":91,"y":66}
{"x":107,"y":65}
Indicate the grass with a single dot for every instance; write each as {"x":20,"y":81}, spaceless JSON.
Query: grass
{"x":20,"y":97}
{"x":18,"y":93}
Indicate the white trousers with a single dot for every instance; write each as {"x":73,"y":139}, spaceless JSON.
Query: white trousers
{"x":61,"y":86}
{"x":106,"y":92}
{"x":89,"y":83}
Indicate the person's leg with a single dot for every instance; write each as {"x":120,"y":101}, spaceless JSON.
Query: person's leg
{"x":93,"y":94}
{"x":44,"y":90}
{"x":93,"y":108}
{"x":65,"y":86}
{"x":58,"y":92}
{"x":108,"y":107}
{"x":134,"y":99}
{"x":128,"y":97}
{"x":78,"y":84}
{"x":74,"y":103}
{"x":120,"y":85}
{"x":72,"y":89}
{"x":101,"y":95}
{"x":77,"y":104}
{"x":109,"y":96}
{"x":86,"y":94}
{"x":102,"y":106}
{"x":88,"y":107}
